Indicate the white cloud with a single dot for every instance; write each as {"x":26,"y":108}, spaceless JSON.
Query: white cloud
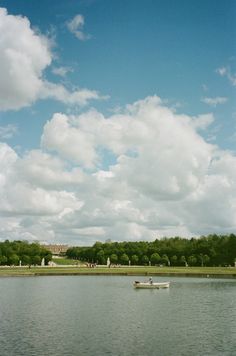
{"x":165,"y":179}
{"x":7,"y":131}
{"x":79,"y":97}
{"x":202,"y":122}
{"x":40,"y":169}
{"x":23,"y":193}
{"x":221,"y":71}
{"x":24,"y":56}
{"x":61,"y":71}
{"x":8,"y":158}
{"x":215,"y":101}
{"x":61,"y":135}
{"x":90,"y":231}
{"x":76,"y":27}
{"x":146,"y":138}
{"x":227,"y":72}
{"x":25,"y":200}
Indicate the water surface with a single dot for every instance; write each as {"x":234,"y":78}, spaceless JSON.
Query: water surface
{"x":104,"y":315}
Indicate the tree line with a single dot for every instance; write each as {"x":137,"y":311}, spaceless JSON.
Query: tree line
{"x":211,"y":250}
{"x":23,"y":253}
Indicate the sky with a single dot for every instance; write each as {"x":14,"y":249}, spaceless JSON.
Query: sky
{"x":117,"y":119}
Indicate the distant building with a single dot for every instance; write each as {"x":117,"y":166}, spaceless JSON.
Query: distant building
{"x":56,"y":249}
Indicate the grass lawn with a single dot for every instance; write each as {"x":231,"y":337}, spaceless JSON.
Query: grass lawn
{"x":124,"y":270}
{"x":65,"y":261}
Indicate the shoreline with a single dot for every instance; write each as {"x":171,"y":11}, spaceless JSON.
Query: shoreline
{"x":198,"y":272}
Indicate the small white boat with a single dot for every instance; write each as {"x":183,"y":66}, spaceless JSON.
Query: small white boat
{"x":151,"y":285}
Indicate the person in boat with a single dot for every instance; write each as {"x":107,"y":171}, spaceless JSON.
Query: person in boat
{"x":150,"y":280}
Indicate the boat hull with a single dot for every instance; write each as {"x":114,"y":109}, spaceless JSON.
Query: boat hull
{"x":147,"y":285}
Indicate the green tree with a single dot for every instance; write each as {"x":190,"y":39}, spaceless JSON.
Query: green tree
{"x":3,"y":260}
{"x":206,"y":260}
{"x":101,"y":257}
{"x":192,"y":260}
{"x":25,"y":260}
{"x":36,"y":260}
{"x":134,"y":259}
{"x":155,"y":258}
{"x":174,"y":260}
{"x":165,"y":260}
{"x":183,"y":261}
{"x":13,"y":259}
{"x":124,"y":259}
{"x":231,"y":251}
{"x":48,"y":258}
{"x":145,"y":260}
{"x":114,"y":258}
{"x":200,"y":258}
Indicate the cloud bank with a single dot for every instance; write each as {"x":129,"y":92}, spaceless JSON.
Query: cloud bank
{"x":163,"y":179}
{"x":139,"y":174}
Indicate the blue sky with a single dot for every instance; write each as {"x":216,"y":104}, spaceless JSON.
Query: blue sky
{"x":172,"y":58}
{"x":168,"y":48}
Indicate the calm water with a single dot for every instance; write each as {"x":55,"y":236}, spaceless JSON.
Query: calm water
{"x":97,"y":315}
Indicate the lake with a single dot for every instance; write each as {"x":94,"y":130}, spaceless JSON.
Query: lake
{"x":105,"y":315}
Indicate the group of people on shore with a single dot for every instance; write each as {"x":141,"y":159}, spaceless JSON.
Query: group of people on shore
{"x":91,"y":265}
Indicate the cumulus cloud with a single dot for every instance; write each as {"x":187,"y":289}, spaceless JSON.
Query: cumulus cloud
{"x":164,"y":180}
{"x":202,"y":122}
{"x":40,"y":169}
{"x":24,"y":56}
{"x":146,"y":138}
{"x":7,"y":159}
{"x":63,"y":136}
{"x":215,"y":101}
{"x":22,"y":193}
{"x":76,"y":25}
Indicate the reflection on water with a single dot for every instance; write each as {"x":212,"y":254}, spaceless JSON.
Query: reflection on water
{"x":95,"y":315}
